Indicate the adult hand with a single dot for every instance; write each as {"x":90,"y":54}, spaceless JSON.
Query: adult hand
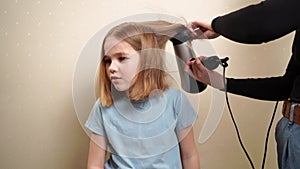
{"x":208,"y":32}
{"x":199,"y":72}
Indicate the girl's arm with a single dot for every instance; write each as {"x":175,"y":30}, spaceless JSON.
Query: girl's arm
{"x":97,"y":152}
{"x":188,"y":150}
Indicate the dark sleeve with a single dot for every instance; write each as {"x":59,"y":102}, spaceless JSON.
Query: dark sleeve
{"x":259,"y":23}
{"x":272,"y":88}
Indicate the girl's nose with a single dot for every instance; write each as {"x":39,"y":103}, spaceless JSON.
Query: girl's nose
{"x":113,"y":67}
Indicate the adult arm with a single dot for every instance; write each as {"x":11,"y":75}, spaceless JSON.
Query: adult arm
{"x":271,"y":88}
{"x":259,"y":23}
{"x":262,"y":22}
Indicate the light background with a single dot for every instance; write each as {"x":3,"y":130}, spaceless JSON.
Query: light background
{"x":40,"y":42}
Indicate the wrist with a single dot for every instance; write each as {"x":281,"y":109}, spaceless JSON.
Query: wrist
{"x":217,"y":80}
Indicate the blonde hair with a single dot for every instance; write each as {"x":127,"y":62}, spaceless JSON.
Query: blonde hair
{"x":149,"y":39}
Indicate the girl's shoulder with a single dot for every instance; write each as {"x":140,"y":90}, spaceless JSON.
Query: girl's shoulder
{"x":174,"y":94}
{"x":98,"y":102}
{"x":173,"y":91}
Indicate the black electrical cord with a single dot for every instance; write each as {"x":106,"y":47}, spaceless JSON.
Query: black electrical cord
{"x":267,"y":136}
{"x":233,"y":120}
{"x":224,"y":64}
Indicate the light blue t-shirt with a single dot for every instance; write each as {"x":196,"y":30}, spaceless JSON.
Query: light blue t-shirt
{"x":142,"y":134}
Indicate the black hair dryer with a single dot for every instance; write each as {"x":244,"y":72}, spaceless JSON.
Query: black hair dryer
{"x":184,"y":52}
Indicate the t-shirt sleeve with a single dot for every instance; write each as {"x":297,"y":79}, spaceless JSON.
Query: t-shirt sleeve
{"x":186,"y":115}
{"x":95,"y":121}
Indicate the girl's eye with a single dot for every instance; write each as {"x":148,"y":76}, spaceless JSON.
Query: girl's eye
{"x":122,"y":58}
{"x":107,"y":60}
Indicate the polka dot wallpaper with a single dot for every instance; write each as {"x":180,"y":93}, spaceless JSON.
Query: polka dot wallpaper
{"x":40,"y":42}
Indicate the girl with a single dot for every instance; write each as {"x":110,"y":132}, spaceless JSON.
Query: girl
{"x":138,"y":118}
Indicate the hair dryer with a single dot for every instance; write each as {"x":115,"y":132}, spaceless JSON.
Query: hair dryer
{"x":184,"y":52}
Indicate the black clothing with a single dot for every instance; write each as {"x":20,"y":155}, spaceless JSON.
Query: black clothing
{"x":263,"y":22}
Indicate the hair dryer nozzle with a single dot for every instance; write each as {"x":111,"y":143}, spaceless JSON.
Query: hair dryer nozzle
{"x":186,"y":34}
{"x":181,"y":37}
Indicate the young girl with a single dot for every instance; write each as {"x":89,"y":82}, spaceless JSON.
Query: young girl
{"x":138,"y":118}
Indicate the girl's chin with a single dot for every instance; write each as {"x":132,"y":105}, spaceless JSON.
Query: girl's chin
{"x":121,"y":89}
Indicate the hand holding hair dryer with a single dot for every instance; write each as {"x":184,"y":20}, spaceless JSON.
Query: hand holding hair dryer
{"x":184,"y":52}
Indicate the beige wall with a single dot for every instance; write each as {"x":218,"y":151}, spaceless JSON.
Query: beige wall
{"x":40,"y":43}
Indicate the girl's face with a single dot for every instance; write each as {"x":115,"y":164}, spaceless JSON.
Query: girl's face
{"x":121,"y":64}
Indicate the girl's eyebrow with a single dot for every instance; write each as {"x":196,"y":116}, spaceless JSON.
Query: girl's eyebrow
{"x":117,"y":54}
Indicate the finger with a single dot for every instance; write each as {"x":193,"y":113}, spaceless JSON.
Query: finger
{"x":201,"y":26}
{"x":192,"y":70}
{"x":201,"y":67}
{"x":202,"y":57}
{"x":197,"y":23}
{"x":198,"y":60}
{"x":191,"y":61}
{"x":192,"y":30}
{"x":188,"y":70}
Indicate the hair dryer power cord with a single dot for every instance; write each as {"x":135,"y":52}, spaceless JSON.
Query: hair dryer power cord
{"x":235,"y":125}
{"x":224,"y":64}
